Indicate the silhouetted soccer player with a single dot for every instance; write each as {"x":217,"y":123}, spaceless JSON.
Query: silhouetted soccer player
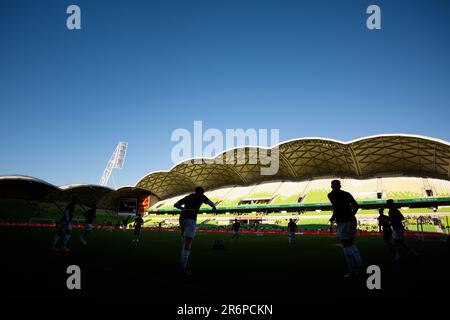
{"x":189,"y":207}
{"x":90,"y":216}
{"x":292,"y":228}
{"x":344,"y":209}
{"x":138,"y":222}
{"x":398,"y":233}
{"x":64,"y":226}
{"x":235,"y":227}
{"x":384,"y":225}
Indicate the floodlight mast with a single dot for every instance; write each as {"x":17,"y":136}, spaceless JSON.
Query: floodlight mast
{"x":115,"y":162}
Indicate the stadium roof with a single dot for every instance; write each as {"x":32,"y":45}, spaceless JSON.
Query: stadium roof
{"x":24,"y":187}
{"x":299,"y":159}
{"x":33,"y":189}
{"x":308,"y":158}
{"x":86,"y":193}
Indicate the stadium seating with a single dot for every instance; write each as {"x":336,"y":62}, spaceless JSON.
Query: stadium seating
{"x":289,"y":192}
{"x":316,"y":191}
{"x":366,"y":189}
{"x":235,"y":195}
{"x":403,"y":188}
{"x":441,"y":188}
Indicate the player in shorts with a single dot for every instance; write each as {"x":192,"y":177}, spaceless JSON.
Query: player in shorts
{"x":292,"y":228}
{"x":344,"y":209}
{"x":189,"y":207}
{"x":235,"y":229}
{"x":138,"y":222}
{"x":384,"y":225}
{"x":64,"y":226}
{"x":398,"y":233}
{"x":89,"y":215}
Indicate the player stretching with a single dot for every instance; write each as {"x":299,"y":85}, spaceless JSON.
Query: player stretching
{"x":292,"y":228}
{"x":138,"y":222}
{"x":344,"y":209}
{"x":384,"y":224}
{"x":64,"y":227}
{"x":398,"y":234}
{"x":189,"y":207}
{"x":90,"y":216}
{"x":235,"y":227}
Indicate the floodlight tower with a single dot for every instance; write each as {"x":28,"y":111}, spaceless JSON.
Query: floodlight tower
{"x":115,"y":162}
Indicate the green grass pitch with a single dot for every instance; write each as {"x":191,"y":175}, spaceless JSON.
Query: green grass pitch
{"x":254,"y":268}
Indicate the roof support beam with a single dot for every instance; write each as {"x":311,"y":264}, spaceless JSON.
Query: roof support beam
{"x":355,"y":161}
{"x":243,"y":180}
{"x":288,"y":165}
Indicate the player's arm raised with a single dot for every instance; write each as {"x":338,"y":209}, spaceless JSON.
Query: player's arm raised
{"x":211,"y":204}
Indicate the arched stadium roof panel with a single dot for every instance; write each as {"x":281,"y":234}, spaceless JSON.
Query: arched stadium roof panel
{"x":309,"y":158}
{"x":207,"y":174}
{"x":24,"y":187}
{"x":86,"y":194}
{"x":244,"y":162}
{"x":403,"y":155}
{"x":33,"y":189}
{"x":166,"y":184}
{"x":312,"y":158}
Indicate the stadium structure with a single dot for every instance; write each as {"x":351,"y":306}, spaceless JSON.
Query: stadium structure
{"x":412,"y":170}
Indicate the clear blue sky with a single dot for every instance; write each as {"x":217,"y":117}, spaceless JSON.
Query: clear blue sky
{"x":140,"y":69}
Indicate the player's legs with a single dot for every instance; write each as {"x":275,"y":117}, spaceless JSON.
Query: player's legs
{"x":185,"y":252}
{"x":399,"y":240}
{"x":137,"y":234}
{"x":387,"y":237}
{"x":87,"y":230}
{"x":347,"y":232}
{"x":342,"y":234}
{"x":291,"y":238}
{"x":348,"y":255}
{"x":189,"y":228}
{"x":356,"y":256}
{"x":397,"y":250}
{"x":67,"y":236}
{"x":83,"y":237}
{"x":58,"y":234}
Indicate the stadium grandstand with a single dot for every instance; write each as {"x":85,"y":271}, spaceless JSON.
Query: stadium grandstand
{"x":407,"y":168}
{"x":412,"y":170}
